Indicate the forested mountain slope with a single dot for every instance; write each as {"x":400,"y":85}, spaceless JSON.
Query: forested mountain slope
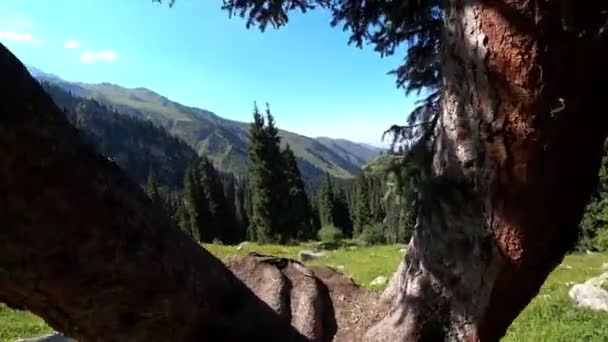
{"x":222,"y":140}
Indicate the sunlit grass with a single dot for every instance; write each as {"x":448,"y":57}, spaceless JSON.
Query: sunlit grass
{"x":363,"y":264}
{"x":551,"y":316}
{"x":18,"y":324}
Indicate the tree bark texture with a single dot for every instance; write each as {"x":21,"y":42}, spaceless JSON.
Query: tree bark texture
{"x":84,"y":248}
{"x":519,"y":144}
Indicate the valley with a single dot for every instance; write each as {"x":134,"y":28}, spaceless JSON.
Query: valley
{"x":222,"y":140}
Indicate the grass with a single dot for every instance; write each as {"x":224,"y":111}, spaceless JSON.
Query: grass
{"x":549,"y":317}
{"x":552,"y":317}
{"x":363,"y":264}
{"x":18,"y":324}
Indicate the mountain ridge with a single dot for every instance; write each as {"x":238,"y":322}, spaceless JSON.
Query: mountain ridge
{"x":223,"y":140}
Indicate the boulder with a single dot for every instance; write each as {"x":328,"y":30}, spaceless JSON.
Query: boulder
{"x":600,"y":281}
{"x":352,"y":248}
{"x":310,"y":255}
{"x":55,"y":337}
{"x":402,"y":250}
{"x":322,"y":304}
{"x":379,"y":281}
{"x":242,"y":245}
{"x":605,"y":267}
{"x":589,"y":297}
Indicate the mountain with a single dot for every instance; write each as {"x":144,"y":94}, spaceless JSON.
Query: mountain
{"x":138,"y":146}
{"x":224,"y":141}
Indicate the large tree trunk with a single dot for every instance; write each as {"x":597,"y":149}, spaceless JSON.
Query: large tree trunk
{"x":83,"y":247}
{"x":519,"y":142}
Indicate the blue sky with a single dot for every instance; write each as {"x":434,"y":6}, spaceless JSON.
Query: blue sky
{"x":194,"y":54}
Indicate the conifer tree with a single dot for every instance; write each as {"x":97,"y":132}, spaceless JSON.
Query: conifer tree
{"x":362,"y":213}
{"x":326,"y":202}
{"x":341,"y":215}
{"x":261,"y":221}
{"x":298,"y":214}
{"x":183,"y":220}
{"x":152,"y":189}
{"x":241,"y":209}
{"x":235,"y":231}
{"x":213,"y":192}
{"x":316,"y":222}
{"x":280,"y":220}
{"x":196,"y":206}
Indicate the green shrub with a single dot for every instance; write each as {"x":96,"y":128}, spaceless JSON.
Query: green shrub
{"x":330,"y":234}
{"x":373,"y":234}
{"x":600,"y":241}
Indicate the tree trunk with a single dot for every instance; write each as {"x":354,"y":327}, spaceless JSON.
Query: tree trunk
{"x":519,"y":143}
{"x":84,"y":248}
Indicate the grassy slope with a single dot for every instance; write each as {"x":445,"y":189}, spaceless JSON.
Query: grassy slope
{"x":550,"y":317}
{"x":19,"y":324}
{"x":325,"y":156}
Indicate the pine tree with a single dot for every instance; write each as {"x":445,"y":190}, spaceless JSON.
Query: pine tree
{"x":316,"y":222}
{"x":196,"y":206}
{"x":234,"y":231}
{"x":261,"y":221}
{"x":269,"y":218}
{"x":326,"y":202}
{"x":279,"y":187}
{"x":362,"y":213}
{"x":183,"y":220}
{"x":242,"y":213}
{"x":214,"y":195}
{"x":298,"y":214}
{"x":341,"y":215}
{"x":221,"y":218}
{"x":152,"y":189}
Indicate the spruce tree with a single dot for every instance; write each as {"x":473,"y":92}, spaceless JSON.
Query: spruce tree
{"x":221,"y":220}
{"x":280,"y":220}
{"x":341,"y":215}
{"x":183,"y":220}
{"x":196,"y":205}
{"x":261,"y":222}
{"x":362,"y":213}
{"x":152,"y":189}
{"x":214,"y":196}
{"x":326,"y":202}
{"x":298,"y":214}
{"x":233,"y":231}
{"x":242,"y":214}
{"x":190,"y":215}
{"x":316,"y":223}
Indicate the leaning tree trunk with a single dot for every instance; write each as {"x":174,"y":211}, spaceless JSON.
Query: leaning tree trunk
{"x":83,"y":247}
{"x":518,"y":147}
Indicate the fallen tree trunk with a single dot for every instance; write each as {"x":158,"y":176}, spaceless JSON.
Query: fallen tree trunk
{"x":84,"y":248}
{"x":518,"y":147}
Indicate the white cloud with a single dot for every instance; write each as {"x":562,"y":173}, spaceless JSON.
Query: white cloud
{"x":71,"y":44}
{"x":17,"y":27}
{"x":16,"y":36}
{"x":92,"y":57}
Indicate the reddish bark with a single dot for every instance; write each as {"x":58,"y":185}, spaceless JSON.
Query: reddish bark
{"x":518,"y":148}
{"x":549,"y":83}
